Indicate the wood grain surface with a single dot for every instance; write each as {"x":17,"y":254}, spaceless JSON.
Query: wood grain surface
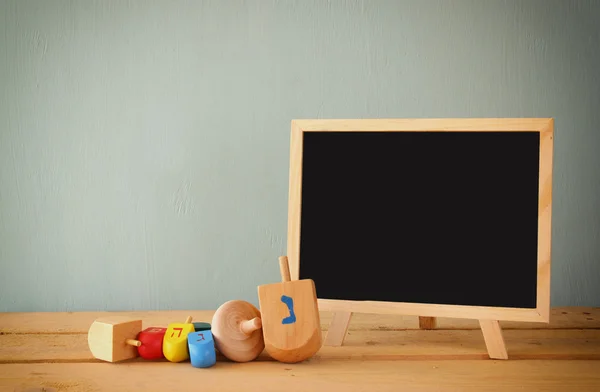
{"x":48,"y":351}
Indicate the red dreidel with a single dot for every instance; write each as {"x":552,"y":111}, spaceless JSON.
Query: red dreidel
{"x":151,"y":346}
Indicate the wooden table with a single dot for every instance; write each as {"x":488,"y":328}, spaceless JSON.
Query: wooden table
{"x":48,"y":351}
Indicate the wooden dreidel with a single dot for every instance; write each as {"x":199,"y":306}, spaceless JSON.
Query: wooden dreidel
{"x":152,"y":343}
{"x":202,"y":349}
{"x":114,"y":339}
{"x":236,"y":329}
{"x":175,"y":347}
{"x":290,"y":316}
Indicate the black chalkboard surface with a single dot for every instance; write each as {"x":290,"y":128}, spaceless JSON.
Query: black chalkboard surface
{"x":421,"y":217}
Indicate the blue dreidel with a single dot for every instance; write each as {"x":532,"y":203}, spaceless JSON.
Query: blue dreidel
{"x":202,"y":349}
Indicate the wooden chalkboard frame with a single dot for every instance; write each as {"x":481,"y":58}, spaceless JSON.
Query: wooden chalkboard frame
{"x":488,"y":316}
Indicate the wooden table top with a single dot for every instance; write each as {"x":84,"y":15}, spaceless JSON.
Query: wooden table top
{"x":48,"y":352}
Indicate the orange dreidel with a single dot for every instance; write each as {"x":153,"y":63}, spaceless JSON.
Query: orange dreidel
{"x":114,"y":339}
{"x":290,"y":317}
{"x":175,"y":342}
{"x":236,"y":330}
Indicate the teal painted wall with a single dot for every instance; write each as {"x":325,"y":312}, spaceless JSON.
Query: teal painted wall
{"x":144,"y":144}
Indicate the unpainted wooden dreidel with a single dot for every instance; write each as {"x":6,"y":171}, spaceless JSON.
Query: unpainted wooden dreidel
{"x":175,"y":347}
{"x":236,"y":329}
{"x":151,"y":346}
{"x":290,"y":317}
{"x":202,"y":349}
{"x":114,"y":339}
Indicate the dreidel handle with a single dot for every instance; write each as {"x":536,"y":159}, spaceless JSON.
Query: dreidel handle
{"x":284,"y":268}
{"x":250,"y":326}
{"x":133,"y":342}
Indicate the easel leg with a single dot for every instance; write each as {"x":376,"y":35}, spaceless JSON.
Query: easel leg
{"x":338,"y":328}
{"x":427,"y":322}
{"x":494,"y":341}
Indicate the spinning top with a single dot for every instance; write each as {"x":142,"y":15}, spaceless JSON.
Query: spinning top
{"x":175,"y":343}
{"x":237,"y":331}
{"x":113,"y":339}
{"x":290,"y":316}
{"x":202,"y":349}
{"x":151,"y":343}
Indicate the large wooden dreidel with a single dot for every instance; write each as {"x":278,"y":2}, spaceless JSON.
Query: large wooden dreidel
{"x":175,"y":342}
{"x":290,"y":317}
{"x":237,"y":331}
{"x":114,"y":339}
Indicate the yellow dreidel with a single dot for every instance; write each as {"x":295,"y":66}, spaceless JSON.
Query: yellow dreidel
{"x":175,"y":342}
{"x":290,"y":317}
{"x":113,"y":339}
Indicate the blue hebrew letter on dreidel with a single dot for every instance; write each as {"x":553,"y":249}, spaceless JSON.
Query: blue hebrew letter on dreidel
{"x":202,"y":349}
{"x":289,"y":302}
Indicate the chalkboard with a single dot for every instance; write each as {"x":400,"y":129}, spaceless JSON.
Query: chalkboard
{"x":441,"y":215}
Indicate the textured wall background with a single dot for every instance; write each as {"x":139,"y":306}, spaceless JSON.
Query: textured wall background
{"x":144,"y":144}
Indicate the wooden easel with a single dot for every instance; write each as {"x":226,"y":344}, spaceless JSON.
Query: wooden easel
{"x":492,"y":333}
{"x":315,"y":129}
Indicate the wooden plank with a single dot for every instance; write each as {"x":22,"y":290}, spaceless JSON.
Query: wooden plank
{"x":294,"y":197}
{"x":382,"y":376}
{"x":432,"y":310}
{"x":423,"y":124}
{"x":560,"y":318}
{"x":427,"y":322}
{"x":63,"y":322}
{"x":545,"y":220}
{"x":468,"y":344}
{"x":359,"y":345}
{"x":79,"y":322}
